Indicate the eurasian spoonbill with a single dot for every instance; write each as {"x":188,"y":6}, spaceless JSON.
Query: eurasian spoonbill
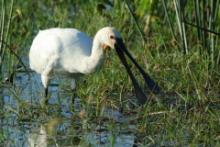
{"x":70,"y":52}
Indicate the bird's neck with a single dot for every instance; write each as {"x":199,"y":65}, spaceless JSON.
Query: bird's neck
{"x":96,"y":57}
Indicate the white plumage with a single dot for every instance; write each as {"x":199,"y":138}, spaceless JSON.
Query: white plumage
{"x":69,"y":52}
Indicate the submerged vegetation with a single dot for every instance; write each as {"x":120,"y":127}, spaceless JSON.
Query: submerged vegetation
{"x":176,"y":42}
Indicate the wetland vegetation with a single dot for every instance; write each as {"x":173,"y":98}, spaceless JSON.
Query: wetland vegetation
{"x":176,"y":42}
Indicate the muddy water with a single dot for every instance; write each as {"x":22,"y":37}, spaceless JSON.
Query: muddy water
{"x":26,"y":122}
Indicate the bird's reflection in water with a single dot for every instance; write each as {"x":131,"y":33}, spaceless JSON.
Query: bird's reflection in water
{"x":39,"y":137}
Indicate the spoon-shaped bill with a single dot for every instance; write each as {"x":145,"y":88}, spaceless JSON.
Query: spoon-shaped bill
{"x":150,"y":82}
{"x":138,"y":91}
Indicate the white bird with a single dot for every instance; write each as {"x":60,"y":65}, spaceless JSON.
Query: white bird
{"x":70,"y":52}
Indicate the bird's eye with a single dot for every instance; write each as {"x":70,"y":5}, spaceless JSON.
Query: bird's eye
{"x":112,"y":37}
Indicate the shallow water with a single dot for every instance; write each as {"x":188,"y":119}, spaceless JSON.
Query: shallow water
{"x":26,"y":122}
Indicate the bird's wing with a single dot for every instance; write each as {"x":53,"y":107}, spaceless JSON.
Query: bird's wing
{"x":75,"y":42}
{"x":75,"y":47}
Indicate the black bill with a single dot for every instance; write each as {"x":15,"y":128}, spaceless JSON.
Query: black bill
{"x":121,"y":49}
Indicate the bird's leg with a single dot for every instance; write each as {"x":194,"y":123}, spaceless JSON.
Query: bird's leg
{"x":46,"y":95}
{"x":45,"y":75}
{"x":74,"y":102}
{"x":74,"y":95}
{"x":45,"y":82}
{"x":46,"y":92}
{"x":73,"y":84}
{"x":73,"y":89}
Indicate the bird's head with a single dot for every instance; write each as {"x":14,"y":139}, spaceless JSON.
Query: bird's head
{"x":109,"y":37}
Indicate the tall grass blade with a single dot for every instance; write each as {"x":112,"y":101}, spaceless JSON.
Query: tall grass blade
{"x":168,"y":18}
{"x":9,"y":20}
{"x":181,"y":25}
{"x":212,"y":26}
{"x":198,"y":18}
{"x":2,"y":24}
{"x":135,"y":21}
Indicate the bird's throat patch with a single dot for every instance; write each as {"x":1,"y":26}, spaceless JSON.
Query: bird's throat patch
{"x":105,"y":47}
